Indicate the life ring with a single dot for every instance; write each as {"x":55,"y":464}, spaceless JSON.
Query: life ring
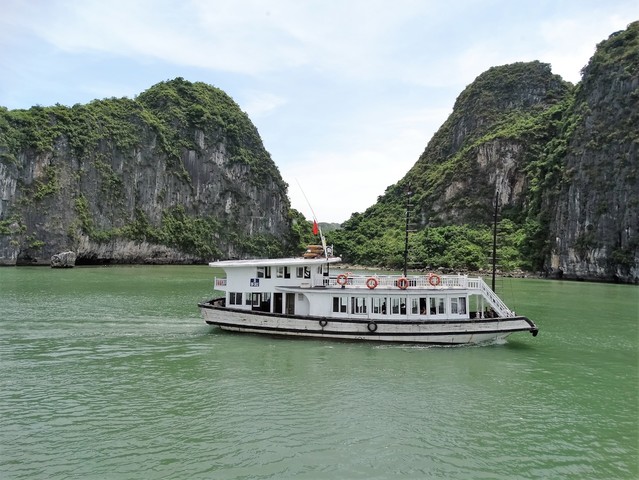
{"x":402,"y":283}
{"x":372,"y":327}
{"x":371,"y":283}
{"x":342,"y":278}
{"x":323,"y":322}
{"x":434,"y":280}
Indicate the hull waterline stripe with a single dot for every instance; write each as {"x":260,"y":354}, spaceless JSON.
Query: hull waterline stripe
{"x":376,"y":320}
{"x":325,"y":332}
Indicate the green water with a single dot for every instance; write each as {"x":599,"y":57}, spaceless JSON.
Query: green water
{"x":109,"y":373}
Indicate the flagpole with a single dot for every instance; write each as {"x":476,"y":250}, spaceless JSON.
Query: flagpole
{"x":315,"y":222}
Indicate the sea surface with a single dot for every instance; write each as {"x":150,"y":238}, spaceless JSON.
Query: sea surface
{"x":110,"y":373}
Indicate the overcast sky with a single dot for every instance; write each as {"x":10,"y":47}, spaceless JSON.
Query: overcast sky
{"x":345,"y":94}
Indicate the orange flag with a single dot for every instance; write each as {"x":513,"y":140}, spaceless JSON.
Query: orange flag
{"x":315,"y":227}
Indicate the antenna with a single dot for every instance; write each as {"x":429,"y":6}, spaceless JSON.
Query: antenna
{"x":315,"y":220}
{"x":495,"y":214}
{"x":409,"y":194}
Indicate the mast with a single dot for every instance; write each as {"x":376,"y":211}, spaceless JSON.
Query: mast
{"x":495,"y":213}
{"x":409,"y":194}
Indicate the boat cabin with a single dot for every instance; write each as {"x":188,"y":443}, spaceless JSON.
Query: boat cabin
{"x":307,"y":287}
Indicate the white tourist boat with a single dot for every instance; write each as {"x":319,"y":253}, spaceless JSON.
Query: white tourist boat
{"x":310,"y":297}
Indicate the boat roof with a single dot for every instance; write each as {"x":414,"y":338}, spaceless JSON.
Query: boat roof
{"x":274,"y":262}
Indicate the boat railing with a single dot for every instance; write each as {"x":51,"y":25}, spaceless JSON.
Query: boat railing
{"x":498,"y":305}
{"x":220,"y":282}
{"x":432,"y":281}
{"x":392,"y":281}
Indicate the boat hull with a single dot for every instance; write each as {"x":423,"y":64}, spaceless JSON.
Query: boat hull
{"x":440,"y":332}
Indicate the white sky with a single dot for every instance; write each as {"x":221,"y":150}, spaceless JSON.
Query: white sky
{"x":345,"y":94}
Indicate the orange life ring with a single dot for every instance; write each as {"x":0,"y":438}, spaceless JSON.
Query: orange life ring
{"x":372,"y":282}
{"x":342,"y":278}
{"x":402,"y":283}
{"x":434,"y":280}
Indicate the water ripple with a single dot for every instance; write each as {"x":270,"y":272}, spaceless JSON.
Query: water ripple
{"x":103,"y":389}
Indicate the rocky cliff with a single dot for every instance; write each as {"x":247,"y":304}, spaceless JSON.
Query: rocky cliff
{"x":594,"y":224}
{"x":559,"y":160}
{"x":177,"y":175}
{"x":484,"y":147}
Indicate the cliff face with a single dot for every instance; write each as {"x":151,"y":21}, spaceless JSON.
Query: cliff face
{"x":594,"y":230}
{"x":482,"y":150}
{"x":561,"y":160}
{"x":178,"y":175}
{"x":490,"y":147}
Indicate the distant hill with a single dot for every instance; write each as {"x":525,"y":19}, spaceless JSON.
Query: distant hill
{"x":560,"y":160}
{"x":177,"y":175}
{"x":180,"y":175}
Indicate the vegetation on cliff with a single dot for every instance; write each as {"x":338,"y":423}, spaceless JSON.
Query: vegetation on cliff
{"x":512,"y":111}
{"x":90,"y":165}
{"x":560,"y":159}
{"x":182,"y":167}
{"x":595,"y":216}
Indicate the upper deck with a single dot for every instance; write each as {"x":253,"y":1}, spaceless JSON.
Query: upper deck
{"x":251,"y":273}
{"x":274,"y":262}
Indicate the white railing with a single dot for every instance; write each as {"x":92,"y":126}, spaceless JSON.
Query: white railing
{"x":220,"y":282}
{"x":498,"y":305}
{"x":434,"y":282}
{"x":390,"y":281}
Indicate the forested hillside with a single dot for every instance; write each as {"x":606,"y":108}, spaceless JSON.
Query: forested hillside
{"x":481,"y":151}
{"x":559,"y":160}
{"x":178,"y":174}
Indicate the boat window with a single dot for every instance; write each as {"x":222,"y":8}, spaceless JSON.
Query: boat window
{"x":436,"y":305}
{"x":262,"y":302}
{"x":398,"y":305}
{"x":339,"y":304}
{"x":379,"y":305}
{"x":299,"y":272}
{"x":263,"y":272}
{"x":307,"y":272}
{"x":283,"y":272}
{"x":247,"y":297}
{"x":458,"y":305}
{"x":235,"y":298}
{"x":358,"y":304}
{"x":418,"y":306}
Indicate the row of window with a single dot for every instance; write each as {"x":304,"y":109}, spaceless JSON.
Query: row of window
{"x":252,"y":299}
{"x":399,"y":305}
{"x":285,"y":272}
{"x":379,"y":305}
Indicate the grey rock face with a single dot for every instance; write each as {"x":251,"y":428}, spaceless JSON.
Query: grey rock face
{"x":63,"y":260}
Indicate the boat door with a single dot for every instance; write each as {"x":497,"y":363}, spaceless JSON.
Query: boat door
{"x":290,"y":304}
{"x":261,"y":302}
{"x":277,"y":303}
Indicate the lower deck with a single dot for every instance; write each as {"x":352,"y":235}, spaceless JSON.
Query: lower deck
{"x":365,"y":304}
{"x":431,"y":331}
